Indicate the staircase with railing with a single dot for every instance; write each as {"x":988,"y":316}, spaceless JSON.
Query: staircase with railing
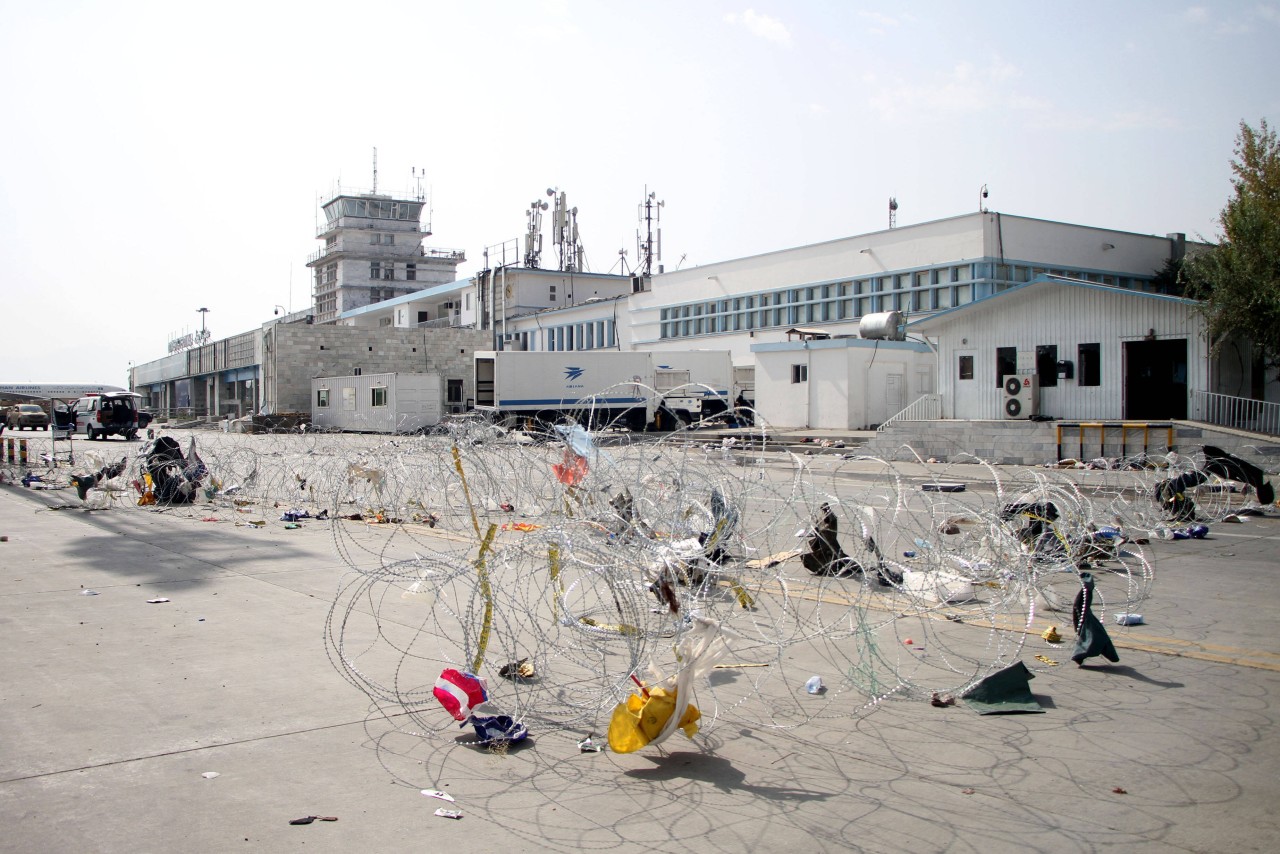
{"x":927,"y":407}
{"x":1238,"y":413}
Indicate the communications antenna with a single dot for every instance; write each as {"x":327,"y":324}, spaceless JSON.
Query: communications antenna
{"x":375,"y":171}
{"x":893,"y":212}
{"x":564,"y":231}
{"x":533,"y":234}
{"x":649,"y":248}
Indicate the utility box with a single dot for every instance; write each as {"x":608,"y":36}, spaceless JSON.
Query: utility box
{"x":377,"y":403}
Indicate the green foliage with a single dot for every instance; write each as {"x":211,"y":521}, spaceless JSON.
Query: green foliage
{"x":1238,"y":280}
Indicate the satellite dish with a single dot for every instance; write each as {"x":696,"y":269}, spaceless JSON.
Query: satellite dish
{"x":542,"y":205}
{"x":550,"y":192}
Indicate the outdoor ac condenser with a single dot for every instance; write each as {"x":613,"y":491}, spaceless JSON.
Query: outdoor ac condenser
{"x":1021,"y":395}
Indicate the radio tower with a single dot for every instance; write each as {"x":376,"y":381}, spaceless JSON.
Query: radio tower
{"x":649,"y":248}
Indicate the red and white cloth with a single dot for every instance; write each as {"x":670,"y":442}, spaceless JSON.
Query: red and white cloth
{"x":459,"y":692}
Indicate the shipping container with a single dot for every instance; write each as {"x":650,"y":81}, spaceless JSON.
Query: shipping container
{"x":376,"y":403}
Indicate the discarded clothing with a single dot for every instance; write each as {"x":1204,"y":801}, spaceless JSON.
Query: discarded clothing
{"x":491,"y":729}
{"x":1006,"y":691}
{"x":1091,"y":636}
{"x":823,"y":553}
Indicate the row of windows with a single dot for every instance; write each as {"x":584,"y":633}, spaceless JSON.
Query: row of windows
{"x":588,"y":335}
{"x":1049,"y":369}
{"x":923,"y":290}
{"x":386,"y":271}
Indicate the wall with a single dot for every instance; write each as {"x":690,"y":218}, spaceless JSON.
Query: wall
{"x":297,"y":353}
{"x":1033,"y":444}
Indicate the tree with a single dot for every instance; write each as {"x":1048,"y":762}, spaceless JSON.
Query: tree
{"x":1238,"y":280}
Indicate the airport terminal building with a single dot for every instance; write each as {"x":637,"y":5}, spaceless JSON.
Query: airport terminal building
{"x":789,"y":317}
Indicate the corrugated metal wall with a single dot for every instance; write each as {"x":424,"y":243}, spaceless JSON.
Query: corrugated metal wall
{"x":1065,"y":316}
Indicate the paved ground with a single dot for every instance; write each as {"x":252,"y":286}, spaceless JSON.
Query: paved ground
{"x":112,"y":709}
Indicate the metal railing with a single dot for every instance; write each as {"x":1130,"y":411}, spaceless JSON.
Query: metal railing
{"x":927,"y":407}
{"x":1240,"y":413}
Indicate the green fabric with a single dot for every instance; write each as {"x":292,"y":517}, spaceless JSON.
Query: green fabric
{"x":1004,"y":692}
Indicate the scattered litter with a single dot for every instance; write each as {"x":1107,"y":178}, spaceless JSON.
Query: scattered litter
{"x":1051,"y":635}
{"x":88,"y":592}
{"x":942,"y":487}
{"x":4,"y":539}
{"x":444,"y":813}
{"x":1231,"y":517}
{"x":436,"y":793}
{"x":307,"y":819}
{"x":292,"y":526}
{"x":209,"y":775}
{"x":1129,"y":619}
{"x":814,"y":685}
{"x":1044,"y":659}
{"x":158,"y":601}
{"x":942,"y":700}
{"x":955,"y":618}
{"x":908,"y":642}
{"x":588,"y":746}
{"x":1119,"y":791}
{"x":967,"y":791}
{"x":521,"y":669}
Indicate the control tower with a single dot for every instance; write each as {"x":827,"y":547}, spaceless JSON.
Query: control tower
{"x":373,"y":252}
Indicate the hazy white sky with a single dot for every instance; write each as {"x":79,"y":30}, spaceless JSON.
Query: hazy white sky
{"x":158,"y":157}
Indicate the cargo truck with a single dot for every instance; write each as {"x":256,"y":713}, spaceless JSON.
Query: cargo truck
{"x":636,"y":390}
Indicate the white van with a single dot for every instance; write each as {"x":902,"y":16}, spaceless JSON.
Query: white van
{"x":109,"y":414}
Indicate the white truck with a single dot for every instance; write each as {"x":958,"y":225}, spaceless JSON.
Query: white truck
{"x":637,"y":390}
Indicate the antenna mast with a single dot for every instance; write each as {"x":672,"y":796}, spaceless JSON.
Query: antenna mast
{"x":564,"y":231}
{"x":649,"y":249}
{"x":893,"y":212}
{"x":375,"y":171}
{"x":533,"y":235}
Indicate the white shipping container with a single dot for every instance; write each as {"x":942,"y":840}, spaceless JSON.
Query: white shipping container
{"x":377,"y":403}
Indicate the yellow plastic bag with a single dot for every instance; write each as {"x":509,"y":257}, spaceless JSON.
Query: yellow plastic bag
{"x":639,"y":721}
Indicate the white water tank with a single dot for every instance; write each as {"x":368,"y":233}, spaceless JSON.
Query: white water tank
{"x":884,"y":325}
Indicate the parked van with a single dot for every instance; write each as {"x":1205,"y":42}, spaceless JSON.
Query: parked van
{"x":112,"y":414}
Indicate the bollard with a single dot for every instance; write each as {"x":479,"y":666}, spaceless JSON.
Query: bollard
{"x":9,"y":448}
{"x":22,"y":452}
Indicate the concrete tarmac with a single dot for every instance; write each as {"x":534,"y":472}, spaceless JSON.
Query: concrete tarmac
{"x":113,"y":709}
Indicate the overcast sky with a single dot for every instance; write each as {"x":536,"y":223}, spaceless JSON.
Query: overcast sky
{"x":160,"y":157}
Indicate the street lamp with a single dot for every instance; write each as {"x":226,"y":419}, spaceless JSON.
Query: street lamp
{"x":204,"y":333}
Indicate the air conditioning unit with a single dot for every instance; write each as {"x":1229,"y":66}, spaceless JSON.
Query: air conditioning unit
{"x":1021,"y":395}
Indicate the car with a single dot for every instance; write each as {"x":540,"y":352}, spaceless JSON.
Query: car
{"x":109,"y":414}
{"x":27,"y":416}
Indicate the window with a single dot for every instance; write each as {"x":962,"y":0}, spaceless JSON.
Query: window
{"x":552,"y":294}
{"x":799,"y":373}
{"x":1089,"y":361}
{"x":966,"y":368}
{"x":388,"y":271}
{"x":453,"y":391}
{"x":378,"y":396}
{"x":375,"y":270}
{"x":1047,"y":364}
{"x":322,"y":398}
{"x":1006,"y":363}
{"x":411,"y":271}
